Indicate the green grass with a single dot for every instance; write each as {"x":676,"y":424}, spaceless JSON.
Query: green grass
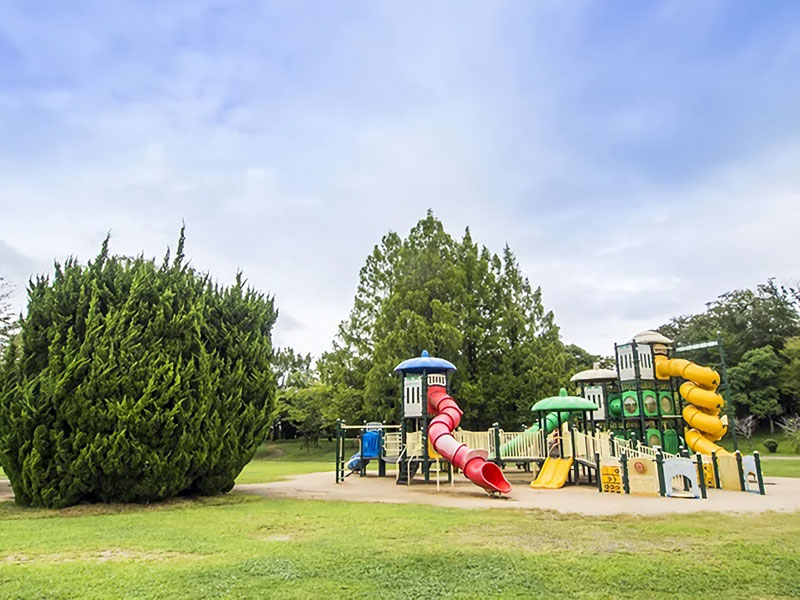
{"x":264,"y":471}
{"x":757,"y":443}
{"x":294,"y":450}
{"x":780,"y":468}
{"x":280,"y":460}
{"x":240,"y":546}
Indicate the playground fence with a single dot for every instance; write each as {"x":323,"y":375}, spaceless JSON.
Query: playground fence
{"x":477,"y":440}
{"x":519,"y":445}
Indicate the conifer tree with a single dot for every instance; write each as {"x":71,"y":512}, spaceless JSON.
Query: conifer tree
{"x":460,"y":302}
{"x":134,"y":382}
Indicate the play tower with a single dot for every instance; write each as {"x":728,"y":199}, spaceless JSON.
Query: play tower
{"x":425,"y":388}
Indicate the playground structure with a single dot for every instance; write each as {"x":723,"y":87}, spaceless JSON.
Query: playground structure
{"x":598,"y":438}
{"x":642,"y":401}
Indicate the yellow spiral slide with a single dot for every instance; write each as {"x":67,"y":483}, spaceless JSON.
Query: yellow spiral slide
{"x":705,"y":404}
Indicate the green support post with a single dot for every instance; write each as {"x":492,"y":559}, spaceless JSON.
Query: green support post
{"x":599,"y":476}
{"x":662,"y":484}
{"x":741,"y":470}
{"x":426,"y":465}
{"x":639,"y":397}
{"x":626,"y":483}
{"x":497,"y":458}
{"x":759,"y":476}
{"x":363,"y":472}
{"x":716,"y":468}
{"x":338,"y":448}
{"x":575,"y":465}
{"x":701,"y":476}
{"x":725,"y":387}
{"x":382,"y":452}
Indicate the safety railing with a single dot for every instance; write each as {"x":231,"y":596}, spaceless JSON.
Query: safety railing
{"x":586,"y":446}
{"x":476,"y":440}
{"x":519,"y":445}
{"x":392,"y":444}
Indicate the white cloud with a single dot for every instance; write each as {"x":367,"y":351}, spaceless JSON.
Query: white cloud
{"x":291,"y":143}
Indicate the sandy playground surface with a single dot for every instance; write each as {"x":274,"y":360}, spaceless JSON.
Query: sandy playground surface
{"x":783,"y":495}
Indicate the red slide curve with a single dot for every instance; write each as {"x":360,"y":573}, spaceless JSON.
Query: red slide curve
{"x":472,"y":462}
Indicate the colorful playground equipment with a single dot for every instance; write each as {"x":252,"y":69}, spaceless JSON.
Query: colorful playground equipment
{"x":622,"y":434}
{"x":642,"y":401}
{"x":427,"y":377}
{"x":376,"y":441}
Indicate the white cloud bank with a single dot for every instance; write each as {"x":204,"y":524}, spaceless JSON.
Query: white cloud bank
{"x":290,"y":145}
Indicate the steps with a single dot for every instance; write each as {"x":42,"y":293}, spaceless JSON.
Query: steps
{"x":403,"y":476}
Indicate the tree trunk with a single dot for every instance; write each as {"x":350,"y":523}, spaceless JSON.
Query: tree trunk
{"x":771,"y":426}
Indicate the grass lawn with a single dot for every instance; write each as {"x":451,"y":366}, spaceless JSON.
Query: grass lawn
{"x":757,"y":443}
{"x":238,"y":546}
{"x":278,"y":460}
{"x":780,"y":468}
{"x":264,"y":471}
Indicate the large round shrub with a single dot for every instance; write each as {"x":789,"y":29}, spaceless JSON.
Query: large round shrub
{"x":133,"y":382}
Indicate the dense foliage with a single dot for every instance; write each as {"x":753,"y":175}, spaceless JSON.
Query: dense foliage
{"x":458,"y":301}
{"x":133,"y":381}
{"x":8,"y":321}
{"x":759,"y":329}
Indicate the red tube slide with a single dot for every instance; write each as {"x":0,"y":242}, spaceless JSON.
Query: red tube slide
{"x":472,"y":462}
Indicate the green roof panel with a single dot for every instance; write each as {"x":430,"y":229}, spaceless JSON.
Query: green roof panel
{"x":563,"y":402}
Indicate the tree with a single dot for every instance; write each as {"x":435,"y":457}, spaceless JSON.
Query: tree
{"x":791,"y":427}
{"x":291,"y":369}
{"x":754,"y":383}
{"x":292,"y":372}
{"x":313,"y":411}
{"x":458,"y":301}
{"x":790,"y":373}
{"x":746,"y":427}
{"x":746,"y":319}
{"x":132,"y":381}
{"x":8,"y":322}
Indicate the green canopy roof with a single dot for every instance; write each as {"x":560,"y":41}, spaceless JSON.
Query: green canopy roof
{"x":563,"y":402}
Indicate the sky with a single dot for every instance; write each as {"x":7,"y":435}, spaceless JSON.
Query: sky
{"x":640,"y":158}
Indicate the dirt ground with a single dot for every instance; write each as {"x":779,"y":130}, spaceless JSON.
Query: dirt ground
{"x":783,"y":495}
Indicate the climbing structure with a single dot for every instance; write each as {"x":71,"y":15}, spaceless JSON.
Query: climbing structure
{"x":427,"y":377}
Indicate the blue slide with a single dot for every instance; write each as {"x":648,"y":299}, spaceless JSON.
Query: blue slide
{"x":370,"y":448}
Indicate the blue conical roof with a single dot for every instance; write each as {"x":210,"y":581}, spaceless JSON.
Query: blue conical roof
{"x":425,"y":362}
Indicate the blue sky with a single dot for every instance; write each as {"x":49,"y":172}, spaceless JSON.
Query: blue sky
{"x":640,"y":158}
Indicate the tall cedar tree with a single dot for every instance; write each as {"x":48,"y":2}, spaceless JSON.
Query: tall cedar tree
{"x":134,"y":382}
{"x":460,"y":302}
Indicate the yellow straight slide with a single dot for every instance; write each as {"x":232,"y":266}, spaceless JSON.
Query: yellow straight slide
{"x":553,"y":474}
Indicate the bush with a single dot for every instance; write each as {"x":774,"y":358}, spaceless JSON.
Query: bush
{"x":133,"y":382}
{"x":771,"y":445}
{"x":794,"y":440}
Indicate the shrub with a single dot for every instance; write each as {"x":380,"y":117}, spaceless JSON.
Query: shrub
{"x":134,"y":382}
{"x":771,"y":445}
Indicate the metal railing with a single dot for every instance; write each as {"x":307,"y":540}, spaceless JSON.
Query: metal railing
{"x":392,"y":444}
{"x":519,"y":445}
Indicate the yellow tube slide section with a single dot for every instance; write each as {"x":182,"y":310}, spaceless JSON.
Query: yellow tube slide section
{"x":680,"y":367}
{"x":702,"y":414}
{"x":696,"y":441}
{"x":700,"y":397}
{"x":713,"y":427}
